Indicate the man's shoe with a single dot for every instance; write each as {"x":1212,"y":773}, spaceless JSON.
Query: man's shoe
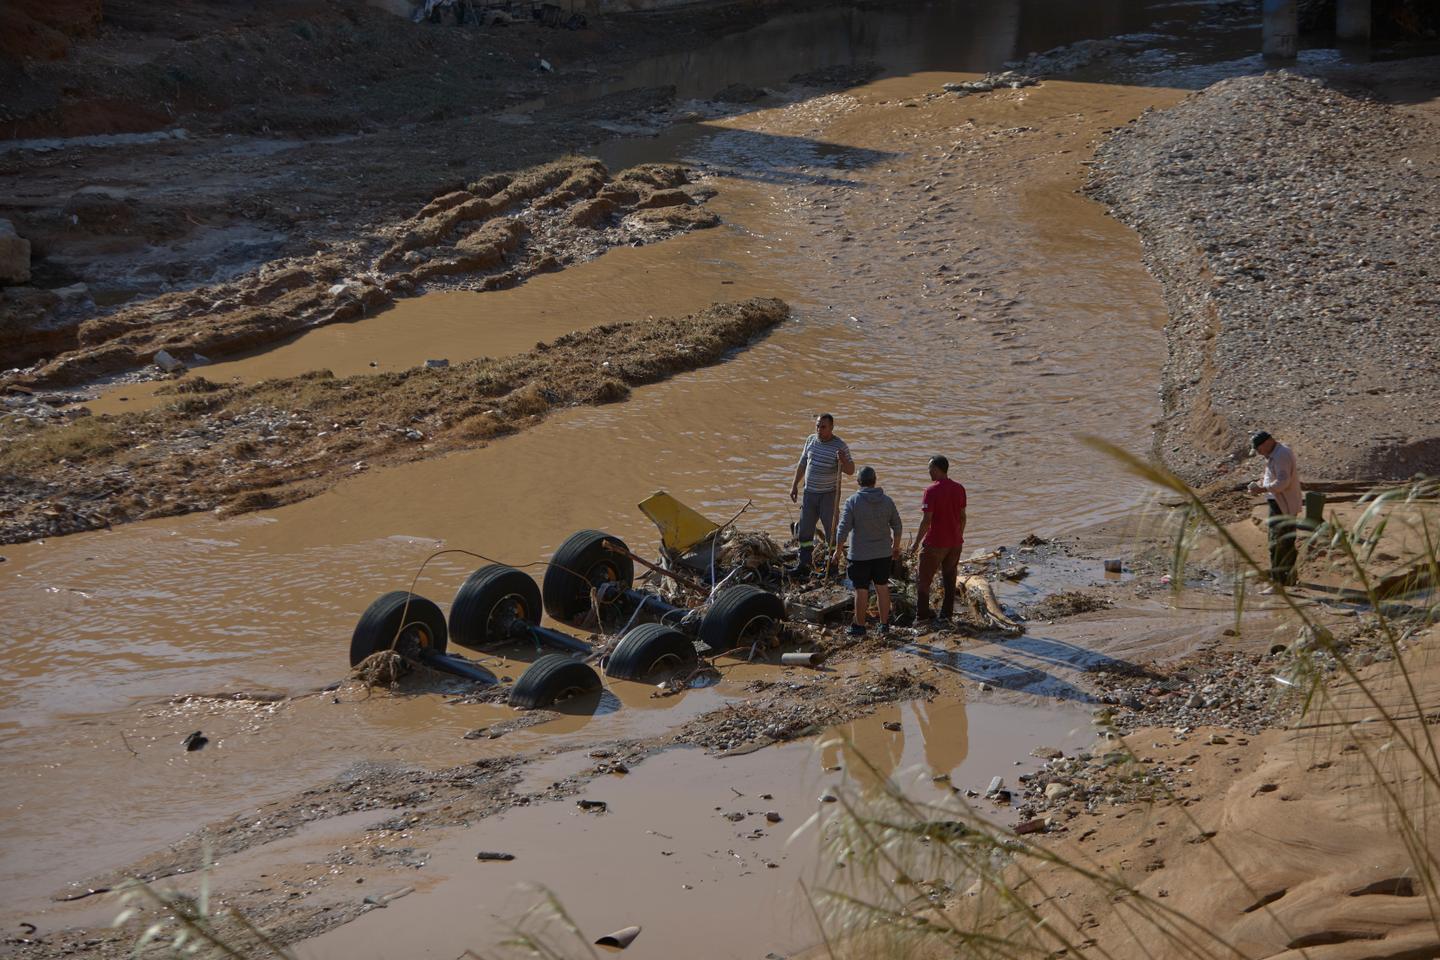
{"x":801,"y":570}
{"x":856,"y":630}
{"x":883,"y":629}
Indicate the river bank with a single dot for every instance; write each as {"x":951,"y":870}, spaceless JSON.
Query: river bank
{"x":1293,"y":226}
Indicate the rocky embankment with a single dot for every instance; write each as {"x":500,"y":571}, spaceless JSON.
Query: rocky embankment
{"x":245,"y":447}
{"x":1295,"y":231}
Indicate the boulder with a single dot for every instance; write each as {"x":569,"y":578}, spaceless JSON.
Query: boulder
{"x":14,"y":255}
{"x":591,"y":212}
{"x":663,"y":198}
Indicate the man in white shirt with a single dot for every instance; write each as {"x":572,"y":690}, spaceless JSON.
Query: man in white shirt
{"x":1281,"y":486}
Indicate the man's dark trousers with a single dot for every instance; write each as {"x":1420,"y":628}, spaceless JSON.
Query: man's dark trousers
{"x":1282,"y":545}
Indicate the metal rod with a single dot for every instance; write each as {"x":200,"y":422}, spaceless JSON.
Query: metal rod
{"x":458,"y":666}
{"x":649,"y":598}
{"x":562,"y":640}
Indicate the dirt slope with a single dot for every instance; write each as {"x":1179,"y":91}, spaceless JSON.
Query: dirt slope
{"x":1282,"y":845}
{"x":1294,"y":229}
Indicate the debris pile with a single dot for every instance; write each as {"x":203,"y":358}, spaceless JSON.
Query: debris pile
{"x":1009,"y":80}
{"x":752,"y":551}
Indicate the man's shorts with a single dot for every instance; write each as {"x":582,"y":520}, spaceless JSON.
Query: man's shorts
{"x":863,"y":573}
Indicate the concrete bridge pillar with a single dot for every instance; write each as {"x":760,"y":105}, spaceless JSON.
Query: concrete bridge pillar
{"x":1280,"y":24}
{"x":1352,"y":20}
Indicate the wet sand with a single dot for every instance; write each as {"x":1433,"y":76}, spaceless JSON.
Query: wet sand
{"x":690,"y":865}
{"x":676,"y":277}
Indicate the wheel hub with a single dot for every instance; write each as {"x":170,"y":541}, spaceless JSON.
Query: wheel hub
{"x":413,"y":642}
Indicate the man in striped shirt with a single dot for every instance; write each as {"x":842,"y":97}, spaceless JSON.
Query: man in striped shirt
{"x":824,"y":457}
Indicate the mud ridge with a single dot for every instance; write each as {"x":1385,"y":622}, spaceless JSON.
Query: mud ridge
{"x":240,"y":448}
{"x":493,"y":234}
{"x":1293,"y":229}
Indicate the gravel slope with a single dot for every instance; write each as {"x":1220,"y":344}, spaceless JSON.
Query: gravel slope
{"x":1295,"y":230}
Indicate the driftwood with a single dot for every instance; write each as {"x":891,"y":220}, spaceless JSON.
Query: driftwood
{"x":984,"y":558}
{"x":980,"y":596}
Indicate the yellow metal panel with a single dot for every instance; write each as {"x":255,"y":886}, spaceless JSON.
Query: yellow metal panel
{"x":680,"y":527}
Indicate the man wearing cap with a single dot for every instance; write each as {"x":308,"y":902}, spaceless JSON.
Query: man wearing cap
{"x":822,"y":460}
{"x":872,"y":522}
{"x":1281,"y":486}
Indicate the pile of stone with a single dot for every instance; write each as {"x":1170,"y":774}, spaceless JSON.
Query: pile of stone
{"x":1237,"y":691}
{"x":1063,"y":787}
{"x":1009,"y":80}
{"x":1293,"y":228}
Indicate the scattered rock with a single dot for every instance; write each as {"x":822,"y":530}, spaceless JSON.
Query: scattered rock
{"x":166,"y":362}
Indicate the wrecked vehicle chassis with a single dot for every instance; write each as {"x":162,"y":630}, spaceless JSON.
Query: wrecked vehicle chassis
{"x":588,"y":583}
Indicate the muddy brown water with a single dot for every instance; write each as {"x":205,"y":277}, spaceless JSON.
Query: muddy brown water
{"x":664,"y":856}
{"x":952,"y":294}
{"x":1052,"y":330}
{"x":678,"y":276}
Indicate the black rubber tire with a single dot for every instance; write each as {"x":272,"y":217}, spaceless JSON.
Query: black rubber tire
{"x":647,"y":646}
{"x":551,"y":678}
{"x":387,"y":619}
{"x":486,"y":602}
{"x":733,"y":613}
{"x":583,"y":562}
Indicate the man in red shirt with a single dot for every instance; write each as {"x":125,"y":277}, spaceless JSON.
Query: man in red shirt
{"x":942,"y":534}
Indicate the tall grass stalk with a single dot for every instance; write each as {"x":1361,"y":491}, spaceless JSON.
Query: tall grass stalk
{"x":183,"y":927}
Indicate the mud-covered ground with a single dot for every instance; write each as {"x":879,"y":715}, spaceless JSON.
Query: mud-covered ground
{"x":1174,"y":733}
{"x":247,"y":447}
{"x":1207,"y":727}
{"x":285,"y":133}
{"x":490,"y":234}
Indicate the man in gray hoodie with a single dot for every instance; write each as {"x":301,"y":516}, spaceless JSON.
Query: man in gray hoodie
{"x":872,"y":522}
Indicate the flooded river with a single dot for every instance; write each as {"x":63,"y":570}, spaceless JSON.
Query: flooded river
{"x":952,"y":291}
